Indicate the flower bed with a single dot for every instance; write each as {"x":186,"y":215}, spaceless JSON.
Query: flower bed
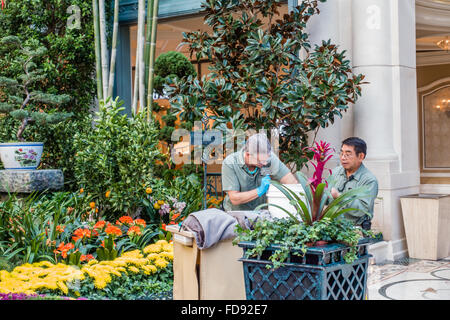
{"x":150,"y":267}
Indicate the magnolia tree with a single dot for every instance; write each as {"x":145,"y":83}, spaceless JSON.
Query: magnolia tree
{"x":257,"y":78}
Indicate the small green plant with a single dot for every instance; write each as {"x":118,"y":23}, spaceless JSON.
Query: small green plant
{"x":107,"y":252}
{"x":114,"y":162}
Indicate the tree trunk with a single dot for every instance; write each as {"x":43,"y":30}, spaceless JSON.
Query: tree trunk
{"x":22,"y":129}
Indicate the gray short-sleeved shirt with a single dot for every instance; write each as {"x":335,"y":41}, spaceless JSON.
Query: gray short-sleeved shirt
{"x":235,"y":177}
{"x":362,"y":177}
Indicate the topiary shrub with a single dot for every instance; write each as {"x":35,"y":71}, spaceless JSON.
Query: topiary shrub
{"x":171,"y":64}
{"x":68,"y":63}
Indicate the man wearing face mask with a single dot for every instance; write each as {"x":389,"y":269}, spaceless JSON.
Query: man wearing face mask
{"x":242,"y":178}
{"x":352,"y":174}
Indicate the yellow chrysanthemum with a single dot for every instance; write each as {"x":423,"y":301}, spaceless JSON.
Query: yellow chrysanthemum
{"x":91,"y":262}
{"x":166,"y":255}
{"x":152,"y":248}
{"x":133,"y":269}
{"x":149,"y":269}
{"x":161,"y":263}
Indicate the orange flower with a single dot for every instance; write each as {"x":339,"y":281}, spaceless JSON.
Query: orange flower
{"x":81,"y":233}
{"x":148,"y":190}
{"x":92,"y":205}
{"x":163,"y":226}
{"x":100,"y":224}
{"x":63,"y":248}
{"x":175,"y":216}
{"x":86,"y":257}
{"x":134,"y":230}
{"x":108,"y":193}
{"x":111,"y":230}
{"x":125,"y":220}
{"x":81,"y":190}
{"x":140,"y":222}
{"x":60,"y":228}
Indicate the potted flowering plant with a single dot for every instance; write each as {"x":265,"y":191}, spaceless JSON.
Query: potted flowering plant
{"x":312,"y":254}
{"x":21,"y":99}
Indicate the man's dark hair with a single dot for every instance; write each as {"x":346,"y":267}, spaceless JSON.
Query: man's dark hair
{"x":357,"y":143}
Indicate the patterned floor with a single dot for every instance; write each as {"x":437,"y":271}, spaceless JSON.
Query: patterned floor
{"x":410,"y":279}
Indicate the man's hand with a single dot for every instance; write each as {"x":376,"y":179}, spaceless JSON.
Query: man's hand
{"x":265,"y":184}
{"x":334,"y":193}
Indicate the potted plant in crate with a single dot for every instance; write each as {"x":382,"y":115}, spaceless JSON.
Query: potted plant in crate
{"x":21,"y":99}
{"x":288,"y":259}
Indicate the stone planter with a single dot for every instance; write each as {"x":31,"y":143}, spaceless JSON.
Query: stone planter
{"x":427,"y":225}
{"x":321,"y":274}
{"x":29,"y":181}
{"x":21,"y":155}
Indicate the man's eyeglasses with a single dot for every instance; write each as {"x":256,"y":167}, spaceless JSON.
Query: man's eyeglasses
{"x":346,"y":155}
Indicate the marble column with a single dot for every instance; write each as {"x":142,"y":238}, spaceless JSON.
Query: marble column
{"x":373,"y":48}
{"x":383,"y":33}
{"x":329,"y":24}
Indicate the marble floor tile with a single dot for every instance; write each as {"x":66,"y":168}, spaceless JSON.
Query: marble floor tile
{"x":420,"y":280}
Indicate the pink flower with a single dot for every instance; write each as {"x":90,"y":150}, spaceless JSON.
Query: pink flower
{"x":322,"y":154}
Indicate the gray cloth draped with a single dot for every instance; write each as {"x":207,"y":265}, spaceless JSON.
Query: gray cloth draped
{"x":213,"y":225}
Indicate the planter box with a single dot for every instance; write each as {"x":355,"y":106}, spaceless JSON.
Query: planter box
{"x":427,"y":225}
{"x":321,"y":274}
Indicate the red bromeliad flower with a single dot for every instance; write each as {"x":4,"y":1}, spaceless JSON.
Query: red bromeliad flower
{"x":322,"y":154}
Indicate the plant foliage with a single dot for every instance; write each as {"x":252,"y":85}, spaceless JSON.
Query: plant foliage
{"x":117,"y":156}
{"x":257,"y":75}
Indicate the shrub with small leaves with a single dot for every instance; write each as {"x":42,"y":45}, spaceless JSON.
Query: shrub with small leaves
{"x":117,"y":156}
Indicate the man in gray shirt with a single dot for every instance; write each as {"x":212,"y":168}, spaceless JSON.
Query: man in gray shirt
{"x":242,"y":179}
{"x":352,"y":174}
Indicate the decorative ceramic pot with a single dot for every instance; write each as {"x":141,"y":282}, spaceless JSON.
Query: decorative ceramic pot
{"x":21,"y":155}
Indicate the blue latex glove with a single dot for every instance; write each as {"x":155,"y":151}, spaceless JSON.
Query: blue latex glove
{"x":262,"y":189}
